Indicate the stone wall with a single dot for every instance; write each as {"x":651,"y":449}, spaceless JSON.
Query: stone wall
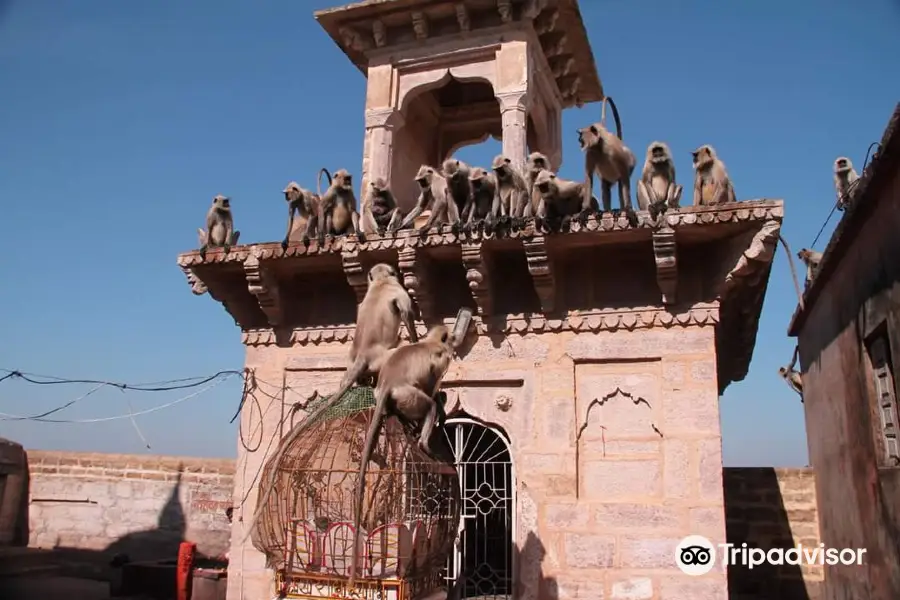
{"x":124,"y":503}
{"x":772,"y":508}
{"x":143,"y":506}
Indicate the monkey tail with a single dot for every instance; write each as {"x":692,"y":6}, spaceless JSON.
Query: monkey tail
{"x":615,"y":112}
{"x":368,"y":447}
{"x":319,"y":180}
{"x":790,"y":257}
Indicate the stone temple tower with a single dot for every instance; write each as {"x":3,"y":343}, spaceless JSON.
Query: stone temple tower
{"x":583,"y":407}
{"x":443,"y":75}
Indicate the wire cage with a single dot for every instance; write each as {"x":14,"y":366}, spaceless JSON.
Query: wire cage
{"x":410,"y":511}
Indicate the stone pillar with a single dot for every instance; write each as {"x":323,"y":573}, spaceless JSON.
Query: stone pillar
{"x":554,"y":137}
{"x":514,"y":116}
{"x":381,"y":123}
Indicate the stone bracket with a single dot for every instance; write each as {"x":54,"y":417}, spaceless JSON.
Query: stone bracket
{"x":355,"y":273}
{"x":666,"y":263}
{"x":261,"y":282}
{"x":478,"y":277}
{"x":416,"y":267}
{"x":198,"y":287}
{"x":542,"y":274}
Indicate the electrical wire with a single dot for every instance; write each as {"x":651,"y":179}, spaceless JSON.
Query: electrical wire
{"x":153,"y":386}
{"x":130,"y":415}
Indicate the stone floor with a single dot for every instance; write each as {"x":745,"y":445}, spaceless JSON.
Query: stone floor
{"x":52,"y":587}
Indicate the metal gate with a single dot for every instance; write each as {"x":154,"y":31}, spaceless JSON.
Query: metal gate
{"x":487,"y":516}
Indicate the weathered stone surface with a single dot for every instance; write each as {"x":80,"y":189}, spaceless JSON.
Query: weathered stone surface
{"x":638,"y":516}
{"x":635,"y":588}
{"x":590,"y":551}
{"x":620,"y":480}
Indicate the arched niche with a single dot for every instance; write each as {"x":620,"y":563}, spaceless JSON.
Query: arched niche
{"x":445,"y":111}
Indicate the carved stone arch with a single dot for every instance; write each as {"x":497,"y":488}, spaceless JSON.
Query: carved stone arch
{"x":414,"y":85}
{"x":453,"y":149}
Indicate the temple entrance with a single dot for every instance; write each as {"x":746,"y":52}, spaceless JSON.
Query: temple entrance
{"x":487,"y":514}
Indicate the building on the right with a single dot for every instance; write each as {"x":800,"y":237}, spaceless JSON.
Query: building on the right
{"x":848,"y":334}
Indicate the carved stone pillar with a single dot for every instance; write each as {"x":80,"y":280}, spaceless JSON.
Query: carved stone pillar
{"x":514,"y":116}
{"x":554,"y":137}
{"x":381,"y":123}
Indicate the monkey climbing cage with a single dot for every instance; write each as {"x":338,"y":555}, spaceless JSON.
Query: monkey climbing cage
{"x":410,"y":509}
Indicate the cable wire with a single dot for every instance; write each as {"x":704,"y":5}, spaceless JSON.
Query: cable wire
{"x":154,"y":386}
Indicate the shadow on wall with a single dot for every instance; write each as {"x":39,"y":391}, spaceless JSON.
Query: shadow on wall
{"x":530,"y":560}
{"x":159,"y":543}
{"x":771,"y":508}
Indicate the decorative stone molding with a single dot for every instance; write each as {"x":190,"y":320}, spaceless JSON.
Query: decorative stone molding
{"x":198,"y":288}
{"x":384,"y":117}
{"x":356,"y":275}
{"x":478,"y":277}
{"x":420,"y":25}
{"x":503,"y":402}
{"x":664,"y":251}
{"x":532,"y":8}
{"x":561,"y":66}
{"x":354,"y":40}
{"x":555,"y":44}
{"x":517,"y":100}
{"x":546,"y":22}
{"x":541,"y":270}
{"x":700,"y":315}
{"x":262,"y":284}
{"x":504,"y":7}
{"x":462,"y":17}
{"x":759,"y":254}
{"x":739,"y":212}
{"x":416,"y":270}
{"x":379,"y":33}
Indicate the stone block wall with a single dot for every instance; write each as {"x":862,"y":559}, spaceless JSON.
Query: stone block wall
{"x":143,"y":506}
{"x":772,"y":508}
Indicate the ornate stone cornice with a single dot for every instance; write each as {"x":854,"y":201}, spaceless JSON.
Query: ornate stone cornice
{"x":578,"y":322}
{"x":738,"y":212}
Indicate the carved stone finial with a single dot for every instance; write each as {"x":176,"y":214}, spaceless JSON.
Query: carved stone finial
{"x":356,"y":275}
{"x":666,"y":263}
{"x":415,"y":268}
{"x":353,"y":39}
{"x":541,"y":270}
{"x":379,"y":33}
{"x":478,"y":277}
{"x":262,"y":284}
{"x":420,"y":25}
{"x":462,"y":17}
{"x":561,"y":66}
{"x":546,"y":22}
{"x":504,"y":7}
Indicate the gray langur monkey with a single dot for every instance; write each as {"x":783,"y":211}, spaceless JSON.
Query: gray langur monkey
{"x":712,"y":185}
{"x":456,"y":172}
{"x":339,"y":206}
{"x":511,"y":202}
{"x":560,"y":201}
{"x":845,"y":178}
{"x":607,"y":155}
{"x":434,"y":191}
{"x":811,"y":259}
{"x":484,"y":191}
{"x":409,"y":380}
{"x":220,"y":231}
{"x":656,"y":189}
{"x":380,"y":212}
{"x":307,"y":205}
{"x":536,"y":163}
{"x":793,"y":379}
{"x":385,"y":306}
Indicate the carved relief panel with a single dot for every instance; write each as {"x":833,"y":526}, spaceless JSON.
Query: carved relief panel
{"x":618,"y":439}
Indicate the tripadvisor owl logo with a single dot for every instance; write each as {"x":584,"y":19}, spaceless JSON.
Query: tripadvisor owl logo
{"x":695,"y":555}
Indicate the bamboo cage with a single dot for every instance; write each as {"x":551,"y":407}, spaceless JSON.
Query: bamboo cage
{"x":410,"y":509}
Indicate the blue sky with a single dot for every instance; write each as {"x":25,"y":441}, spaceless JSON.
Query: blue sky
{"x":128,"y":117}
